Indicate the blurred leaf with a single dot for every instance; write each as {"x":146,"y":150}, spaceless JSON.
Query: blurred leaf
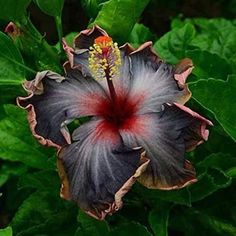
{"x":208,"y":92}
{"x":216,"y":36}
{"x":12,"y":65}
{"x":9,"y":92}
{"x":219,"y":160}
{"x":158,"y":219}
{"x":13,"y":10}
{"x":208,"y":183}
{"x":140,"y":34}
{"x":46,"y":180}
{"x":44,"y":213}
{"x":219,"y":142}
{"x":12,"y":71}
{"x":187,"y":220}
{"x":213,"y":175}
{"x":52,"y":7}
{"x":231,"y":172}
{"x":220,"y":204}
{"x":69,"y":39}
{"x":177,"y":23}
{"x":119,"y":17}
{"x":90,"y":226}
{"x":17,"y":142}
{"x":60,"y":224}
{"x":9,"y":169}
{"x":208,"y":65}
{"x":131,"y":229}
{"x":173,"y":45}
{"x":151,"y":196}
{"x":6,"y":232}
{"x":92,"y":7}
{"x":3,"y":179}
{"x":12,"y":197}
{"x":38,"y":54}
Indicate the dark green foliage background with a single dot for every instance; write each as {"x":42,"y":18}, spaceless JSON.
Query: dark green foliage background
{"x":29,"y":183}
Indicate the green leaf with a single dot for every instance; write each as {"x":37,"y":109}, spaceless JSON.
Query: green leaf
{"x":219,"y":160}
{"x":187,"y":220}
{"x":151,"y":196}
{"x":11,"y":62}
{"x":208,"y":64}
{"x":131,"y":229}
{"x":119,"y":17}
{"x":220,"y":204}
{"x":208,"y":183}
{"x":44,"y":213}
{"x":92,"y":7}
{"x":173,"y":45}
{"x":52,"y":7}
{"x":231,"y":172}
{"x":213,"y":175}
{"x":69,"y":39}
{"x":3,"y":179}
{"x":38,"y":54}
{"x":17,"y":142}
{"x":9,"y":92}
{"x":13,"y":10}
{"x":216,"y":36}
{"x":219,"y":142}
{"x":208,"y":92}
{"x":158,"y":219}
{"x":45,"y":180}
{"x":90,"y":226}
{"x":9,"y":169}
{"x":12,"y":71}
{"x":140,"y":34}
{"x":6,"y":232}
{"x":61,"y":223}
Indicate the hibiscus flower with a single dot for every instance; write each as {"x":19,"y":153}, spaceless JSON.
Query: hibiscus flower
{"x":139,"y":128}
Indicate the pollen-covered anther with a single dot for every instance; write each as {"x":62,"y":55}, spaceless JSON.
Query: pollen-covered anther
{"x":104,"y":58}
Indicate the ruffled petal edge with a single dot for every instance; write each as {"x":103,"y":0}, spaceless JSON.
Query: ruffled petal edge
{"x":146,"y":180}
{"x":35,"y":87}
{"x":203,"y":132}
{"x":95,"y":30}
{"x":112,"y":207}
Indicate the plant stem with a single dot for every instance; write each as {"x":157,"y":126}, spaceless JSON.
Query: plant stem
{"x":59,"y":31}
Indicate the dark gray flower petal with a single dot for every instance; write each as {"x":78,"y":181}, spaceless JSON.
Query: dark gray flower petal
{"x":166,"y":136}
{"x":146,"y":55}
{"x":86,"y":37}
{"x":99,"y":168}
{"x":155,"y":80}
{"x":55,"y":100}
{"x":80,"y":60}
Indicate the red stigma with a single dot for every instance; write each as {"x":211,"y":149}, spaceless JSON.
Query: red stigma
{"x":103,"y":40}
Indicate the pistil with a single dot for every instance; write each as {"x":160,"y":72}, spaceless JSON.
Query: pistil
{"x":105,"y":61}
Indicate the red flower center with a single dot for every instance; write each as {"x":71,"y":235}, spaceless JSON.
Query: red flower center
{"x":119,"y":112}
{"x":117,"y":115}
